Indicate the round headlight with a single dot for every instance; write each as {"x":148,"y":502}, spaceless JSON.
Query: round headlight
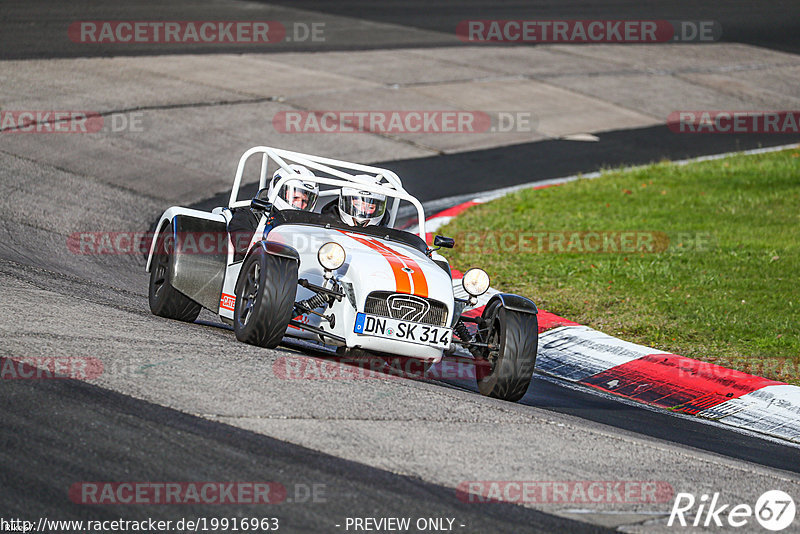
{"x":475,"y":282}
{"x":331,"y":256}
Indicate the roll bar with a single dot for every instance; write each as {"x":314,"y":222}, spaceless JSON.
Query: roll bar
{"x":384,"y":182}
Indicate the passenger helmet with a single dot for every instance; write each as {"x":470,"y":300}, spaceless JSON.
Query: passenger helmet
{"x":361,"y":208}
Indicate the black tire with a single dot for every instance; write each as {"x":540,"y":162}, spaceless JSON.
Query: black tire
{"x":265,"y":293}
{"x":165,"y":300}
{"x":506,"y":372}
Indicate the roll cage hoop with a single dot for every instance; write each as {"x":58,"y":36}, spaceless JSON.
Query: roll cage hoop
{"x":384,"y":181}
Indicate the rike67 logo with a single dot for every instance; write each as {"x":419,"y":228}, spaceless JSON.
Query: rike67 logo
{"x":774,"y":510}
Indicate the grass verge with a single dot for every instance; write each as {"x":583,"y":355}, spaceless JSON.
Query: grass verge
{"x":701,"y":260}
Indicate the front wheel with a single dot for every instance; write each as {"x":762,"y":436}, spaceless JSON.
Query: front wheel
{"x":265,"y":293}
{"x":507,"y":367}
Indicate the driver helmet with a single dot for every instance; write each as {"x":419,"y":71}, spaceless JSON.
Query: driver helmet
{"x":295,"y":194}
{"x":361,"y":208}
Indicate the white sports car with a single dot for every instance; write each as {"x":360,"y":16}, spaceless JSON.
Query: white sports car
{"x":374,"y":289}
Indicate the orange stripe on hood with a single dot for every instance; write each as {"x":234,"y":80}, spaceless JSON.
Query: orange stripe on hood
{"x":401,"y":279}
{"x":417,"y":276}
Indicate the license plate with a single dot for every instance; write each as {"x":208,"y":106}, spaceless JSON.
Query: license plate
{"x":386,"y":327}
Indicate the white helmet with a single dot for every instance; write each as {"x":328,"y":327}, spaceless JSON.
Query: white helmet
{"x":295,"y":194}
{"x":361,"y":208}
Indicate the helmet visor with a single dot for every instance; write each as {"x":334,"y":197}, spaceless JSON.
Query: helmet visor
{"x":363,"y":206}
{"x":299,"y":195}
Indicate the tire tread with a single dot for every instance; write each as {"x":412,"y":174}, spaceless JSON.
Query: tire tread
{"x":273,"y":311}
{"x":510,"y":378}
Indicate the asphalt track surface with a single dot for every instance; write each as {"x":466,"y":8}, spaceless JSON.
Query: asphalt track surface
{"x":54,"y":433}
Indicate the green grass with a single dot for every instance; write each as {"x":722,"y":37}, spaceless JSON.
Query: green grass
{"x":724,"y":288}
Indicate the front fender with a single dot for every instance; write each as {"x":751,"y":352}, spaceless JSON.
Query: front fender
{"x":277,"y":249}
{"x":514,"y":303}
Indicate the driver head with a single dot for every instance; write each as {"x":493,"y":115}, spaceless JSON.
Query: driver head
{"x":297,"y":194}
{"x":361,"y":208}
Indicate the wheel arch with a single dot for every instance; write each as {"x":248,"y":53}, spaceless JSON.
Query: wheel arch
{"x":513,"y":302}
{"x":275,"y":249}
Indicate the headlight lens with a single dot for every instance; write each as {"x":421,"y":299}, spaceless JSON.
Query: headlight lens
{"x":475,"y":282}
{"x":331,"y":256}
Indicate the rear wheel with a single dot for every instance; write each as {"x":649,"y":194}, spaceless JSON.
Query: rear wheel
{"x":506,"y":368}
{"x":265,"y":294}
{"x":165,"y":300}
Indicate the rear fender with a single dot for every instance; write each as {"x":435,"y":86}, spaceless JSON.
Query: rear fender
{"x":194,"y":271}
{"x":168,"y":216}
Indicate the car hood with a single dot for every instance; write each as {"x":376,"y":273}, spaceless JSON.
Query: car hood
{"x":371,"y":264}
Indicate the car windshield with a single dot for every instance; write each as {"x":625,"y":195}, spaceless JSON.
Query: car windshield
{"x":325,"y":220}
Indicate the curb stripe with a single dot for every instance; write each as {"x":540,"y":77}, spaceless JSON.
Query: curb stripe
{"x":677,"y":383}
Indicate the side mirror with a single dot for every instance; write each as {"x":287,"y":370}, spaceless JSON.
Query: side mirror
{"x":259,"y":204}
{"x":444,"y":242}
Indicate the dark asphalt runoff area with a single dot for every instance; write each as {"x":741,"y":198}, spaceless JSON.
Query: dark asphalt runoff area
{"x":39,"y":29}
{"x":769,"y":24}
{"x":61,"y":432}
{"x":477,"y":171}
